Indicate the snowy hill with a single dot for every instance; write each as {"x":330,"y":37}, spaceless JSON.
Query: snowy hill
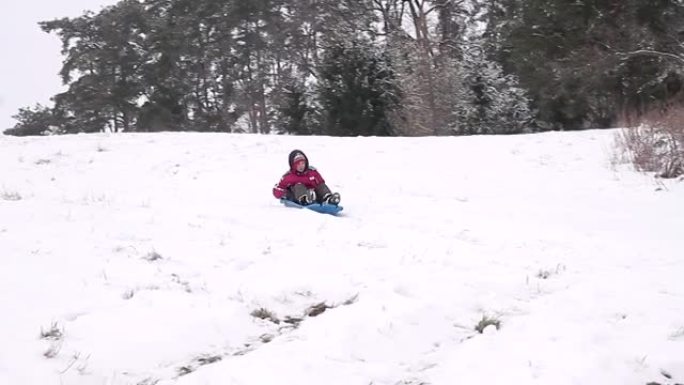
{"x":148,"y":259}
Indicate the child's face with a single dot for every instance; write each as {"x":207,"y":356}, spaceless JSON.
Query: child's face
{"x":300,"y":166}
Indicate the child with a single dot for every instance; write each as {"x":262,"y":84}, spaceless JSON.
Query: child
{"x":303,"y":184}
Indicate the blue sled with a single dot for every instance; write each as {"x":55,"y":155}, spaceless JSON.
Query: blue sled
{"x":323,"y":208}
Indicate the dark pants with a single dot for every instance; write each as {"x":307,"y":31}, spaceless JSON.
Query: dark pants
{"x":296,"y":192}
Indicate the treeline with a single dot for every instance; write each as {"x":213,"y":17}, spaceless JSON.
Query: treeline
{"x":361,"y":67}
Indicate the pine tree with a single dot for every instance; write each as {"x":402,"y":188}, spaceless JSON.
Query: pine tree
{"x":583,"y":61}
{"x":295,"y":111}
{"x":38,"y":120}
{"x":103,"y":55}
{"x":496,"y":103}
{"x":356,"y":90}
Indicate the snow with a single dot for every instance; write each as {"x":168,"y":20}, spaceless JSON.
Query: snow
{"x":150,"y":251}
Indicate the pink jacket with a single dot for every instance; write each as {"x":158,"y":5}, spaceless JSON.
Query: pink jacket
{"x":309,"y":178}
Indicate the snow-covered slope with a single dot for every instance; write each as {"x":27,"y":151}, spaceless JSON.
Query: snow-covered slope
{"x":150,"y":253}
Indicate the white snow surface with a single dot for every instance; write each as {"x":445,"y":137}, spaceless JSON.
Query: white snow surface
{"x":149,"y":252}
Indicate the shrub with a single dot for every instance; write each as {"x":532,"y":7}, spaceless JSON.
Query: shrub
{"x":654,"y":141}
{"x":487,"y":321}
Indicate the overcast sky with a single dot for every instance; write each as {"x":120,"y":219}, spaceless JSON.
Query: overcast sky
{"x":30,"y":57}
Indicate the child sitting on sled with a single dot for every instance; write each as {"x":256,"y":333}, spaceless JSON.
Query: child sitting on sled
{"x":303,"y":184}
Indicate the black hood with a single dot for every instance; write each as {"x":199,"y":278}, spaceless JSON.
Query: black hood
{"x":292,"y":156}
